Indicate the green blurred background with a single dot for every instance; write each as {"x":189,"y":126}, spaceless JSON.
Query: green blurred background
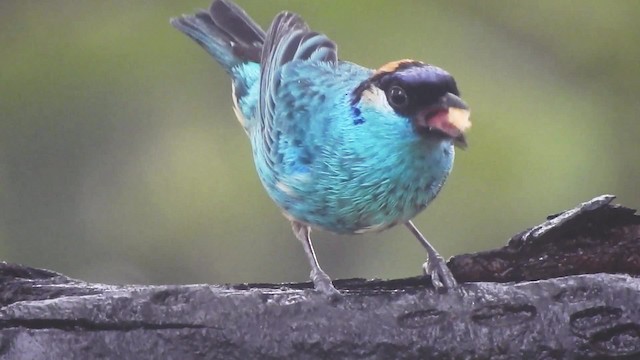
{"x":121,"y":160}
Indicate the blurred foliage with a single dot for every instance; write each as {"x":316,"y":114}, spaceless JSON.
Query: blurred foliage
{"x":121,"y":160}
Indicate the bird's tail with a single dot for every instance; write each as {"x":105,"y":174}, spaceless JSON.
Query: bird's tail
{"x":226,"y":32}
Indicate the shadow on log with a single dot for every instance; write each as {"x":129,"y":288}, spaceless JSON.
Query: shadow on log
{"x":562,"y":290}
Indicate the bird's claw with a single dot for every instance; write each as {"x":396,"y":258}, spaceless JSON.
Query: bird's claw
{"x":322,"y":283}
{"x":441,"y":276}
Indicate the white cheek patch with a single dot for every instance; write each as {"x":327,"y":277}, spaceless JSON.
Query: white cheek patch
{"x":376,"y":98}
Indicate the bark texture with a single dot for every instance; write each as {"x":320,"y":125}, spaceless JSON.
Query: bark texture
{"x":565,"y":289}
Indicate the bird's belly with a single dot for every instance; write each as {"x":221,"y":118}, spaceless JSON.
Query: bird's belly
{"x":372,"y":200}
{"x":372,"y":208}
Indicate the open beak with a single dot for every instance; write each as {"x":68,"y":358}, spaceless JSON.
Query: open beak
{"x":450,"y":117}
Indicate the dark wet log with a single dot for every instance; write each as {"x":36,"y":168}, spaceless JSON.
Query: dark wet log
{"x":583,"y":305}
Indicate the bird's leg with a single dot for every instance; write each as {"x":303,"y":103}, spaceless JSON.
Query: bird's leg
{"x":441,"y":276}
{"x":321,"y":280}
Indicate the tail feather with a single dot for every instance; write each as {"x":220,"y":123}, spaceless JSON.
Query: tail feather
{"x":226,"y":32}
{"x":248,"y":35}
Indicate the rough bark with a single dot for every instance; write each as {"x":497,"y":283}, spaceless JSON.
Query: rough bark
{"x":562,"y":290}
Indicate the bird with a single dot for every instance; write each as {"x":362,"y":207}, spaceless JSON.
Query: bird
{"x":337,"y":146}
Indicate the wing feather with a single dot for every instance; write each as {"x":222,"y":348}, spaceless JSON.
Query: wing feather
{"x":288,"y":39}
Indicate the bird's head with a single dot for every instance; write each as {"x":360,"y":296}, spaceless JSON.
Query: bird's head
{"x":424,"y":94}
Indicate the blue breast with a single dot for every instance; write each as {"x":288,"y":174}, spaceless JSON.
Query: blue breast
{"x":340,"y":168}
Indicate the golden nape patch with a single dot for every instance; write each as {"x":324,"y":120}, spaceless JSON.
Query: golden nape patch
{"x":392,"y":66}
{"x":460,"y":118}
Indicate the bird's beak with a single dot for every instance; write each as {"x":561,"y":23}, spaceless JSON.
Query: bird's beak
{"x":450,"y":117}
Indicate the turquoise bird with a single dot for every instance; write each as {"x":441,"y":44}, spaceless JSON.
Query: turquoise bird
{"x":337,"y":146}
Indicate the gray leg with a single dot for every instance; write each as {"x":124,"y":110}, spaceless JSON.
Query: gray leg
{"x":321,"y":280}
{"x":441,"y":276}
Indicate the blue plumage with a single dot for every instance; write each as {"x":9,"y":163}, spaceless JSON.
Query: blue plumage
{"x":337,"y":146}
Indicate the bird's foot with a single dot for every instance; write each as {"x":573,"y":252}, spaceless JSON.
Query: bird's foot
{"x":322,"y":283}
{"x":441,"y":276}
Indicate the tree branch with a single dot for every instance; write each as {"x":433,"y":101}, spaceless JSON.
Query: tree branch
{"x":578,"y":308}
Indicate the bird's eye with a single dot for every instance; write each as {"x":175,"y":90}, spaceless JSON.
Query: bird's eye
{"x":397,"y":97}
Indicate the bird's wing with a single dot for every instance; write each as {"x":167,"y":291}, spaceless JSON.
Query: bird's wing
{"x":288,"y":39}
